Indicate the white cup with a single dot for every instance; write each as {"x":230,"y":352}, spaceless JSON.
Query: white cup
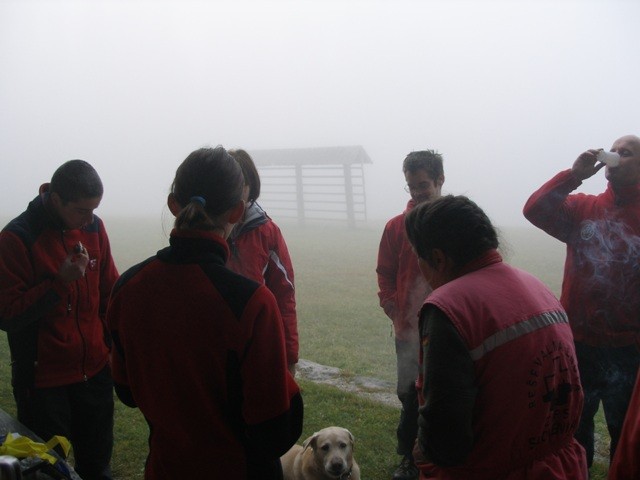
{"x":609,"y":158}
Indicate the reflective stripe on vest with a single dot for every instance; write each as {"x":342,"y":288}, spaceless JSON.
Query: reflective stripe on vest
{"x":515,"y":331}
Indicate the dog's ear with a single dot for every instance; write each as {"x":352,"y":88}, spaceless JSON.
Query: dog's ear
{"x":310,"y":442}
{"x":351,"y":437}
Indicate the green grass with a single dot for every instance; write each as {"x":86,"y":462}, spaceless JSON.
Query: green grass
{"x":369,"y":422}
{"x":338,"y":303}
{"x":372,"y":425}
{"x":340,"y":324}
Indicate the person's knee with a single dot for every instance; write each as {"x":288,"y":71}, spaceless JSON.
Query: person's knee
{"x":408,"y":396}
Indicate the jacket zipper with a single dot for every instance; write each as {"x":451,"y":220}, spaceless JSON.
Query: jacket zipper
{"x":84,"y":343}
{"x":77,"y":319}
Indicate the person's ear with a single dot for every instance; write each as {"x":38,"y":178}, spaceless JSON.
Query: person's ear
{"x":174,"y":206}
{"x":440,"y":181}
{"x":236,"y":213}
{"x":44,"y":189}
{"x":55,"y":199}
{"x":439,"y":259}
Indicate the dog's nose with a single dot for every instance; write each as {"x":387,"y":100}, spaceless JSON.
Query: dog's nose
{"x":337,"y":466}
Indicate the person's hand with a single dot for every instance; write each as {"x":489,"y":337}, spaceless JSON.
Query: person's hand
{"x":585,"y":165}
{"x":418,"y":456}
{"x":74,"y":265}
{"x":390,"y":310}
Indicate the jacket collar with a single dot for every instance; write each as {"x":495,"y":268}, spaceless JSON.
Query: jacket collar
{"x":40,"y":208}
{"x":410,"y":205}
{"x":624,"y":195}
{"x":490,"y":257}
{"x":191,"y":246}
{"x":253,"y":218}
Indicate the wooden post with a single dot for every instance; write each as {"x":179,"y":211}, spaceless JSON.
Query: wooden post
{"x":300,"y":194}
{"x":348,"y":193}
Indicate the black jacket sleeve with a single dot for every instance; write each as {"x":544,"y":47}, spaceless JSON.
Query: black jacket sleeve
{"x":445,"y":434}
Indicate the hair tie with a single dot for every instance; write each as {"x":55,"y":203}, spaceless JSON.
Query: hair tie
{"x":199,"y":200}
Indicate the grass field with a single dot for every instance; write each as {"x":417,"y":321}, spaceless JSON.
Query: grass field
{"x":340,"y":324}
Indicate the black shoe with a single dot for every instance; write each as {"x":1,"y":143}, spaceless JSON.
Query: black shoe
{"x":407,"y":470}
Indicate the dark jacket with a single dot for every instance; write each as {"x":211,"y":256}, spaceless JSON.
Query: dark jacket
{"x":55,"y":329}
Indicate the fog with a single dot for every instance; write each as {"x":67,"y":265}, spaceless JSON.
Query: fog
{"x":510,"y":92}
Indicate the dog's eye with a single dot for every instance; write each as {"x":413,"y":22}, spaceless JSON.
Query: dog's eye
{"x":343,"y":445}
{"x":325,"y":447}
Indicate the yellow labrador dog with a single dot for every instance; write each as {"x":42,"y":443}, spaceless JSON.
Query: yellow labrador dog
{"x":325,"y":455}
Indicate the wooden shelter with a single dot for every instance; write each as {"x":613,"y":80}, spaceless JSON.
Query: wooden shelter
{"x":325,"y":183}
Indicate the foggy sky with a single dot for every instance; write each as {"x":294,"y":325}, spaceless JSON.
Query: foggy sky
{"x":510,"y":92}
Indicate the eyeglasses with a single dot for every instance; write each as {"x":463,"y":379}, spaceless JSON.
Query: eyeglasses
{"x":421,"y":187}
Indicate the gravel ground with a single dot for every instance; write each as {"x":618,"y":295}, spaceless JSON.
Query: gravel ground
{"x":384,"y":392}
{"x":371,"y":388}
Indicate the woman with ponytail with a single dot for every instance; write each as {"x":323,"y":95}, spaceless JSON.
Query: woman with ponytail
{"x":199,"y":349}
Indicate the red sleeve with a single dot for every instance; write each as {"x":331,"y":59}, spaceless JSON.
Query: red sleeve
{"x":118,"y":366}
{"x":626,"y":461}
{"x":550,"y":207}
{"x":268,"y":385}
{"x":108,"y":273}
{"x":116,"y":355}
{"x":272,"y":406}
{"x":387,"y":270}
{"x":279,"y":278}
{"x":22,"y":301}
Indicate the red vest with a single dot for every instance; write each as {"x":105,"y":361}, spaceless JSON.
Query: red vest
{"x":529,"y":396}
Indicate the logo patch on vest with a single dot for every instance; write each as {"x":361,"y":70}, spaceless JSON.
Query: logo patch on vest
{"x":552,"y":389}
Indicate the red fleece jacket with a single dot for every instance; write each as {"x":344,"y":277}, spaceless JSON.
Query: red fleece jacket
{"x":403,"y":289}
{"x":601,"y":285}
{"x":56,"y":330}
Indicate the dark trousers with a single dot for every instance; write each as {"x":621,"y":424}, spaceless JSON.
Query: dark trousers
{"x":607,"y":374}
{"x":407,"y":355}
{"x":82,"y":412}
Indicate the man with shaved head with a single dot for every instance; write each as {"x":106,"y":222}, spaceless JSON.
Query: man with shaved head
{"x":601,"y":285}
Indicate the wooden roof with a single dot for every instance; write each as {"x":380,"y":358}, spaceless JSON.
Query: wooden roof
{"x":310,"y":156}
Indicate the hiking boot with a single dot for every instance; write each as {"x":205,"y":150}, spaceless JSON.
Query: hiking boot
{"x":406,"y":470}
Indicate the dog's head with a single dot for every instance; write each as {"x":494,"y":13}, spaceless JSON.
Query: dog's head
{"x":332,"y":450}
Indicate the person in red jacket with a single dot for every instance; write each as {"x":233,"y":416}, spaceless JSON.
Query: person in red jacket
{"x":601,"y":285}
{"x":626,"y":461}
{"x":500,"y":393}
{"x":259,"y":252}
{"x":56,"y":273}
{"x":200,"y":349}
{"x":402,"y":292}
